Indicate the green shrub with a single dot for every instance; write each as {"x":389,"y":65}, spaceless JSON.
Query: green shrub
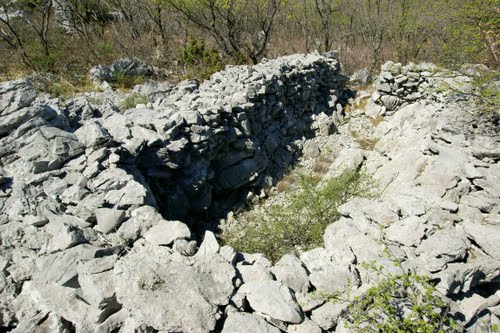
{"x":125,"y":81}
{"x":201,"y":62}
{"x":300,"y":223}
{"x":487,"y":91}
{"x":132,"y":100}
{"x":400,"y":303}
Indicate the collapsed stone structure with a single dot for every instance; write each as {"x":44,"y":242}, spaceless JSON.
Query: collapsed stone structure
{"x":84,"y":247}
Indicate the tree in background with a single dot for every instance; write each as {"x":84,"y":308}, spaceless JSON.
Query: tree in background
{"x":21,"y":20}
{"x":472,"y":31}
{"x":241,"y":28}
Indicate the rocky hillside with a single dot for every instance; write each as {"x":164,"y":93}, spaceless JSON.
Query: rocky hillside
{"x":103,"y":208}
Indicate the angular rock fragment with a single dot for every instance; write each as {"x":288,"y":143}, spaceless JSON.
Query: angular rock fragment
{"x":273,"y":299}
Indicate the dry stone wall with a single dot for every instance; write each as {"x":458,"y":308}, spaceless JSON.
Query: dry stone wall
{"x":82,"y":184}
{"x":234,"y":130}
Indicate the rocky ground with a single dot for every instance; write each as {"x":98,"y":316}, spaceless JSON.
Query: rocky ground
{"x":85,"y":249}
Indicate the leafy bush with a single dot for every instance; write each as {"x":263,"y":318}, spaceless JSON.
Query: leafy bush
{"x":299,"y":225}
{"x":487,"y":90}
{"x":202,"y":61}
{"x":400,"y":303}
{"x":132,"y":100}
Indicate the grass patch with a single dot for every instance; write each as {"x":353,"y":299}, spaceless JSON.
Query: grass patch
{"x":132,"y":100}
{"x":322,"y":164}
{"x":361,"y":104}
{"x":125,"y":81}
{"x":58,"y":86}
{"x":287,"y":182}
{"x":376,"y":121}
{"x":365,"y":143}
{"x":299,"y":224}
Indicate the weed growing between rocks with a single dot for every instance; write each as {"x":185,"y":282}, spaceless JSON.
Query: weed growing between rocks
{"x":132,"y":100}
{"x":299,"y":224}
{"x":400,"y":303}
{"x":125,"y":81}
{"x":365,"y":143}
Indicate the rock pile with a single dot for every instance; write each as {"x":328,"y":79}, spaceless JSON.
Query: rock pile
{"x":83,"y":246}
{"x":400,"y":85}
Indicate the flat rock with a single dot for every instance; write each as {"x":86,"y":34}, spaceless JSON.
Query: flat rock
{"x":108,"y":219}
{"x":307,"y":326}
{"x":326,"y":316}
{"x":273,"y":299}
{"x":166,"y":232}
{"x":237,"y":322}
{"x":170,"y":295}
{"x":15,"y":95}
{"x":62,"y":267}
{"x":407,"y":232}
{"x":486,"y":236}
{"x":442,"y":247}
{"x":290,"y":271}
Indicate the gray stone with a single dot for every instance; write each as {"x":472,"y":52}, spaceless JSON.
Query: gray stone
{"x":442,"y":247}
{"x":91,"y":134}
{"x":326,"y":275}
{"x":95,"y":277}
{"x":326,"y":316}
{"x":273,"y":299}
{"x":390,"y":102}
{"x":108,"y":219}
{"x":245,"y":322}
{"x":49,"y":149}
{"x":209,"y":248}
{"x":61,"y":267}
{"x":131,"y":67}
{"x":15,"y":95}
{"x":486,"y":236}
{"x":361,"y":76}
{"x":185,"y":247}
{"x":101,"y":73}
{"x":63,"y":236}
{"x":311,"y":149}
{"x":290,"y":271}
{"x":408,"y":232}
{"x":166,"y":232}
{"x":480,"y":200}
{"x":308,"y":326}
{"x":249,"y":273}
{"x":384,"y":87}
{"x":170,"y":295}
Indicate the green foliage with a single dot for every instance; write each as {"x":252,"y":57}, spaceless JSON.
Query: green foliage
{"x":123,"y":80}
{"x":471,"y":29}
{"x":132,"y":100}
{"x":299,"y":225}
{"x":402,"y":303}
{"x":202,"y":61}
{"x":487,"y":91}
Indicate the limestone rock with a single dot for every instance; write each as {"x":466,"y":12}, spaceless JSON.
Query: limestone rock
{"x":166,"y":232}
{"x":290,"y":271}
{"x":444,"y":246}
{"x":245,"y":322}
{"x":327,"y":315}
{"x":361,"y":76}
{"x":169,"y":295}
{"x":108,"y":219}
{"x":273,"y":299}
{"x":307,"y":326}
{"x":486,"y":236}
{"x":15,"y":96}
{"x":408,"y":231}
